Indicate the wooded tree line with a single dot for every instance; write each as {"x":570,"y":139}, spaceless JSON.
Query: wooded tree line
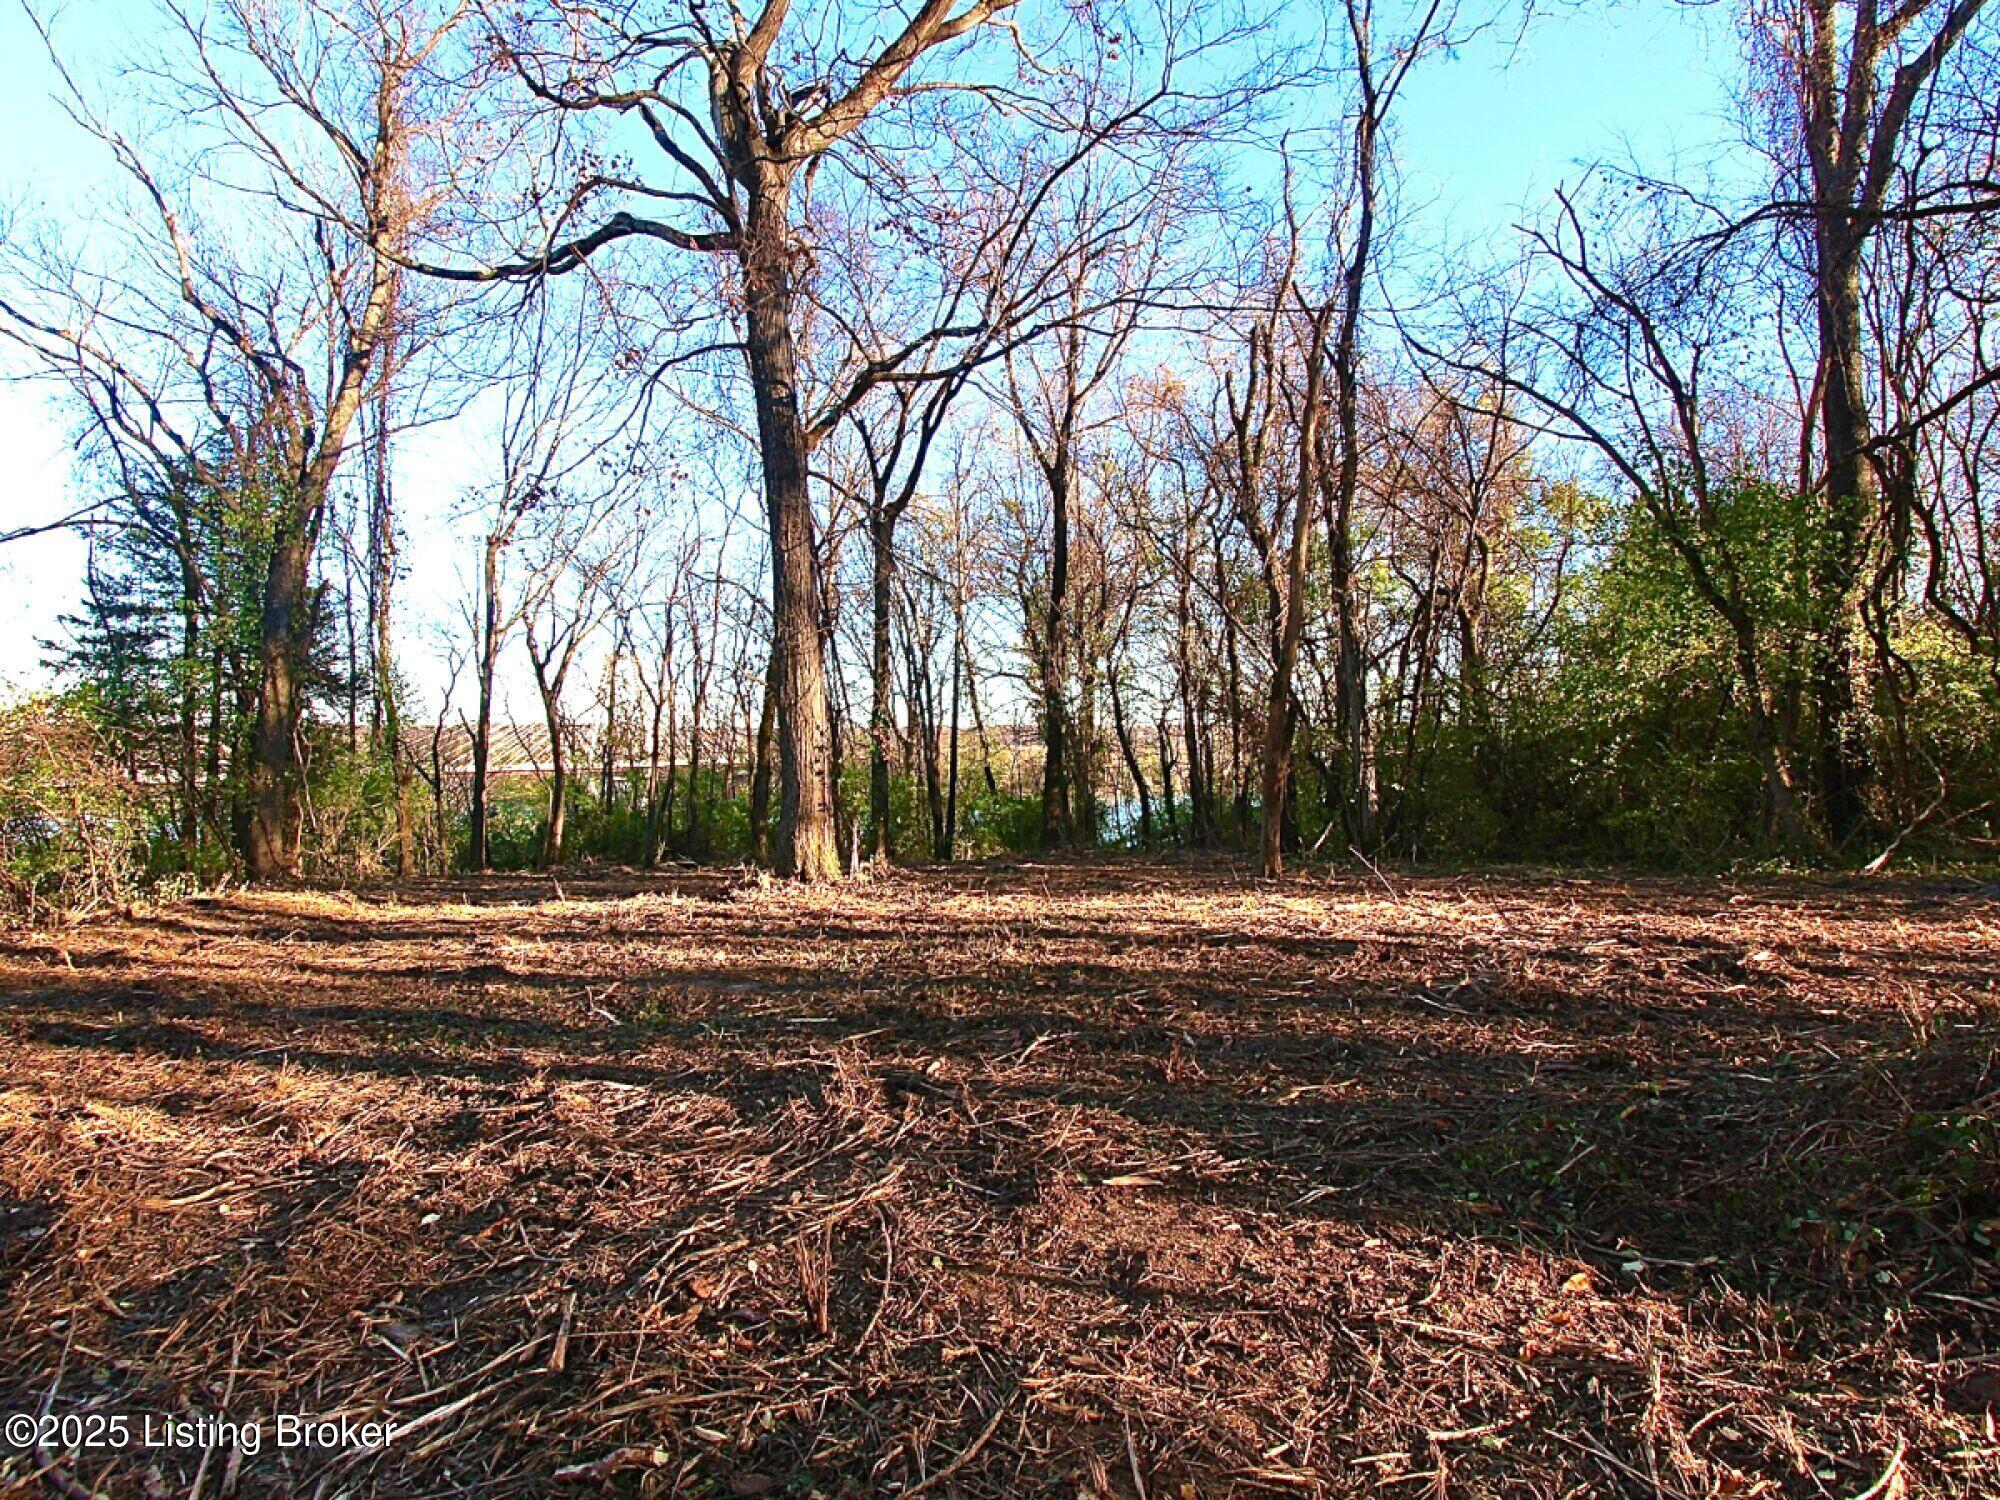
{"x":908,"y":429}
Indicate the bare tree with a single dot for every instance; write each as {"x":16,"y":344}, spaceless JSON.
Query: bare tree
{"x":245,"y":361}
{"x":566,"y":440}
{"x":387,"y":712}
{"x":742,"y":118}
{"x":571,"y":589}
{"x":1844,"y":81}
{"x":1628,"y":355}
{"x":1107,"y":252}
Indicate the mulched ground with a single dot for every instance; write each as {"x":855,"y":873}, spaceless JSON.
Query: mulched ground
{"x":1032,"y":1179}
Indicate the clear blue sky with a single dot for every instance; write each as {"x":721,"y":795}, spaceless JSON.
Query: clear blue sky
{"x":1480,"y":136}
{"x":1498,"y":126}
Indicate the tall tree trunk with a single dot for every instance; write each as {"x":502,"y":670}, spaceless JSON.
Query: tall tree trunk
{"x":808,"y":846}
{"x":653,"y":781}
{"x":691,"y":838}
{"x":552,"y":842}
{"x":482,"y":733}
{"x":607,"y":784}
{"x":382,"y":585}
{"x":1280,"y":714}
{"x":1350,"y":669}
{"x":1766,"y":742}
{"x":551,"y":686}
{"x":272,"y":851}
{"x":882,"y":541}
{"x":1842,"y":769}
{"x":926,"y":728}
{"x":438,"y":831}
{"x":1358,"y":788}
{"x":1058,"y":824}
{"x":1201,"y":787}
{"x":1131,"y":755}
{"x":1087,"y":817}
{"x":1861,"y":78}
{"x":949,"y":843}
{"x":663,"y":818}
{"x":276,"y":777}
{"x":1241,"y":802}
{"x":353,"y":645}
{"x":190,"y":700}
{"x":760,"y":775}
{"x":400,"y":770}
{"x":211,"y":752}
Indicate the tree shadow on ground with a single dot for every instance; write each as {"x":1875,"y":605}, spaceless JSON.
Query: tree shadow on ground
{"x":993,"y":1170}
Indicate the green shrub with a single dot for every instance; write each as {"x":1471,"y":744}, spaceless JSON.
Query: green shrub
{"x":74,"y":825}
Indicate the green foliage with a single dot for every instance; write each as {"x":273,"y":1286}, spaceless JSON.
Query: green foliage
{"x":995,"y":823}
{"x":163,"y":656}
{"x":617,"y":835}
{"x":1623,"y":735}
{"x":516,"y":816}
{"x":1948,"y":752}
{"x":725,"y":825}
{"x":1634,"y":745}
{"x":1603,"y":717}
{"x":74,"y":824}
{"x":351,"y":809}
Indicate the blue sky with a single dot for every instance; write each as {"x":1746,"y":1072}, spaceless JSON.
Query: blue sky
{"x":1480,"y":136}
{"x":1498,"y":126}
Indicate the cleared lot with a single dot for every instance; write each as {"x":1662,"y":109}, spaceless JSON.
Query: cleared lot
{"x":1019,"y":1180}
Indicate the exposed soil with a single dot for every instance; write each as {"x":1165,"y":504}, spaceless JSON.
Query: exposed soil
{"x":1027,"y":1179}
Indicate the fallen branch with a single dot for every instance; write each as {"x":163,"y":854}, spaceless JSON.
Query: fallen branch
{"x":638,"y":1456}
{"x":964,"y":1458}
